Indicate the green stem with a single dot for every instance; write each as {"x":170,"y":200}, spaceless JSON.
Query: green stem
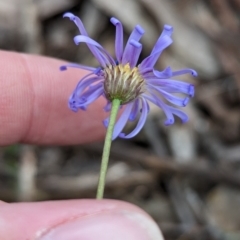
{"x":107,"y":147}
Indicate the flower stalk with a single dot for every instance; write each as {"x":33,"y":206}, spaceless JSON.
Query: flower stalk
{"x":106,"y":149}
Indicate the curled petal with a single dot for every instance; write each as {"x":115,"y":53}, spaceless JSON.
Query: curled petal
{"x":74,"y":65}
{"x":118,"y":38}
{"x":163,"y":106}
{"x":185,"y":71}
{"x":137,"y":33}
{"x":135,"y":110}
{"x":85,"y":96}
{"x":122,"y":120}
{"x":134,"y":53}
{"x":85,"y":82}
{"x":181,"y":102}
{"x":173,"y":86}
{"x":91,"y":98}
{"x":183,"y":116}
{"x":168,"y":113}
{"x":167,"y":31}
{"x":151,"y":60}
{"x":189,"y":90}
{"x":77,"y":21}
{"x":141,"y":122}
{"x":166,"y":73}
{"x":83,"y":31}
{"x":80,"y":38}
{"x":135,"y":36}
{"x":72,"y":104}
{"x":98,"y":71}
{"x":108,"y":107}
{"x":106,"y":122}
{"x":104,"y":57}
{"x":74,"y":99}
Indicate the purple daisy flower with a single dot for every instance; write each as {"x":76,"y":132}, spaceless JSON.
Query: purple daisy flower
{"x":134,"y":85}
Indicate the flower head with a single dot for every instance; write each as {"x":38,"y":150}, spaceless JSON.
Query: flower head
{"x":134,"y":85}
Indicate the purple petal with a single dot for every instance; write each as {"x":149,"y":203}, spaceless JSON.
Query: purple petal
{"x":91,"y":98}
{"x":166,"y":73}
{"x":122,"y":120}
{"x":173,"y":86}
{"x":103,"y":57}
{"x":163,"y":106}
{"x":181,"y":102}
{"x":183,"y":116}
{"x":108,"y":107}
{"x":78,"y":23}
{"x":85,"y":82}
{"x":134,"y":53}
{"x":74,"y":65}
{"x":72,"y":104}
{"x":136,"y":34}
{"x":141,"y":122}
{"x":188,"y":90}
{"x":83,"y":98}
{"x":83,"y":31}
{"x":135,"y":110}
{"x":118,"y":38}
{"x":80,"y":38}
{"x":98,"y":71}
{"x":81,"y":86}
{"x":167,"y":31}
{"x":151,"y":60}
{"x":185,"y":71}
{"x":106,"y":122}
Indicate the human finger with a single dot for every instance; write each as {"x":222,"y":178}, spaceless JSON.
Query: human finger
{"x":76,"y":219}
{"x":33,"y":103}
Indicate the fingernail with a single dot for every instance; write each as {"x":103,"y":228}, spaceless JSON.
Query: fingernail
{"x":106,"y":226}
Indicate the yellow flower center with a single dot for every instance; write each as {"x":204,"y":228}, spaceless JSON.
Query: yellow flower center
{"x":123,"y":83}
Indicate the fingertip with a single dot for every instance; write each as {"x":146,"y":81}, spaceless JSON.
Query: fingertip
{"x":79,"y":219}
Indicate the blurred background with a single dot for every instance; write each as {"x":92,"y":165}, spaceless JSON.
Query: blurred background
{"x":187,"y":177}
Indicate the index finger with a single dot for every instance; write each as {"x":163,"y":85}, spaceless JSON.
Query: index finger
{"x":33,"y":103}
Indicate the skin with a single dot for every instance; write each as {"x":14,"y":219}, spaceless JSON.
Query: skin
{"x":33,"y":109}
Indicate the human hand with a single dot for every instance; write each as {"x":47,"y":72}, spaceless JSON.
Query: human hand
{"x":33,"y":109}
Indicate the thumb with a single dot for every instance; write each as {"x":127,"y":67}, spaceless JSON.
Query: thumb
{"x":76,"y":220}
